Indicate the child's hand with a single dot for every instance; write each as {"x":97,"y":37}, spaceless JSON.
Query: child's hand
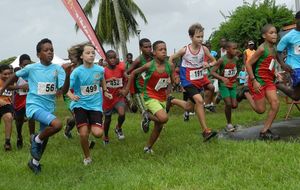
{"x":225,"y":80}
{"x":123,"y":92}
{"x":279,"y":77}
{"x":73,"y":97}
{"x":108,"y":95}
{"x":206,"y":65}
{"x":287,"y":68}
{"x":256,"y":86}
{"x":68,"y":67}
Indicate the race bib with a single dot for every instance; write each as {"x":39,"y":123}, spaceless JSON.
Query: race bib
{"x":46,"y":88}
{"x":143,"y":74}
{"x":297,"y":49}
{"x":22,"y":92}
{"x":228,"y":73}
{"x":271,"y":66}
{"x":89,"y":90}
{"x":162,"y":83}
{"x":115,"y":83}
{"x":196,"y":74}
{"x":7,"y":93}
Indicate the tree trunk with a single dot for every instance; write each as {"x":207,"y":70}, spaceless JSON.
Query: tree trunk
{"x":120,"y":29}
{"x":116,"y":45}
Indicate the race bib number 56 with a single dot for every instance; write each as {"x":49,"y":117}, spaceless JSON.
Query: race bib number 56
{"x":46,"y":88}
{"x":89,"y":90}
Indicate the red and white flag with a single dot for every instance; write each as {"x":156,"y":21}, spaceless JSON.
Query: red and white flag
{"x":84,"y":24}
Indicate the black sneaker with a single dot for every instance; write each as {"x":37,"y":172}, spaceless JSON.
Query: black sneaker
{"x":241,"y":93}
{"x":268,"y":135}
{"x":19,"y":143}
{"x":186,"y":116}
{"x":36,"y":149}
{"x":92,"y":144}
{"x":36,"y":169}
{"x":208,"y":134}
{"x":169,"y":104}
{"x":145,"y":123}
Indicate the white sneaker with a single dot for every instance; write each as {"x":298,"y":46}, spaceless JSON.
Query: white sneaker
{"x":119,"y":133}
{"x":87,"y":161}
{"x":148,"y":150}
{"x":229,"y":128}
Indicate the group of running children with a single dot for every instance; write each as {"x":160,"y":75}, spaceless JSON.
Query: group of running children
{"x":91,"y":90}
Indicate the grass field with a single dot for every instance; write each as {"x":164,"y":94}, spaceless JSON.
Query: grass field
{"x":180,"y":161}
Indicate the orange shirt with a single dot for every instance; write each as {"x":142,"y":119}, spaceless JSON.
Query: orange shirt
{"x":248,"y":54}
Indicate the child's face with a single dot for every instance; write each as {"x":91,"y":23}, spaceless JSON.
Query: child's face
{"x":160,"y":52}
{"x":5,"y":74}
{"x":146,"y":48}
{"x":112,"y":58}
{"x":197,"y":39}
{"x":271,"y":35}
{"x":88,"y":54}
{"x":232,"y":49}
{"x":24,"y":63}
{"x":46,"y":53}
{"x":129,"y":59}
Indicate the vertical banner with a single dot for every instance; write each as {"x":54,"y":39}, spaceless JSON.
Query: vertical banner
{"x":84,"y":24}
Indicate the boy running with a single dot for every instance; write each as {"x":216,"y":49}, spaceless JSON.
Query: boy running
{"x":114,"y":76}
{"x":45,"y":80}
{"x":192,"y":76}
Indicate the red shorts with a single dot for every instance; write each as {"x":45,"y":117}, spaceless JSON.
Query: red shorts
{"x":263,"y":89}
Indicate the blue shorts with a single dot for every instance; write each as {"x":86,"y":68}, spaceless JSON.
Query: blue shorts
{"x":295,"y":76}
{"x":45,"y":118}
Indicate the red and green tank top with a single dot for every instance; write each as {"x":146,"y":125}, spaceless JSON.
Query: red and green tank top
{"x":139,"y":80}
{"x":228,"y":70}
{"x":155,"y":86}
{"x":264,"y":68}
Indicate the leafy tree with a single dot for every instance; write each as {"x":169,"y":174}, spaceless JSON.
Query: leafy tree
{"x":8,"y":60}
{"x":114,"y":27}
{"x":245,"y":23}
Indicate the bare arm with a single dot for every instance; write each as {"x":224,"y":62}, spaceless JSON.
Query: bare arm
{"x":210,"y":57}
{"x":178,"y":54}
{"x":253,"y":59}
{"x":10,"y":80}
{"x":284,"y":66}
{"x":244,"y":57}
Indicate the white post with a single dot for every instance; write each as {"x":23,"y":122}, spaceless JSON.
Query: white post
{"x":297,"y":5}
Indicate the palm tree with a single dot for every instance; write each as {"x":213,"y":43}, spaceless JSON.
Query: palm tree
{"x":115,"y":21}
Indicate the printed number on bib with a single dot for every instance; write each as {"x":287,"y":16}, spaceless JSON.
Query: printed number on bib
{"x":162,"y":83}
{"x":115,"y":83}
{"x":143,"y":75}
{"x":271,"y":66}
{"x":46,"y":88}
{"x":196,"y":74}
{"x":89,"y":90}
{"x":7,"y":93}
{"x":230,"y":72}
{"x":297,"y":49}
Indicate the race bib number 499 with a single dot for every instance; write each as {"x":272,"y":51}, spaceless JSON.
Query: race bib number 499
{"x":196,"y":74}
{"x":46,"y":88}
{"x":89,"y":90}
{"x":162,"y":83}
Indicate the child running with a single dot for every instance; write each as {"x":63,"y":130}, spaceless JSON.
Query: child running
{"x":157,"y":74}
{"x":261,"y":70}
{"x":6,"y":107}
{"x":45,"y":80}
{"x":192,"y":76}
{"x":20,"y":103}
{"x":87,"y":98}
{"x":227,"y":75}
{"x":114,"y":77}
{"x":146,"y":56}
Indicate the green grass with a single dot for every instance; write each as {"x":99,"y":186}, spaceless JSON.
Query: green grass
{"x":181,"y":160}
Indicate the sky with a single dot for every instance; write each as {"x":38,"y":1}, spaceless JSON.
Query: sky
{"x":24,"y":23}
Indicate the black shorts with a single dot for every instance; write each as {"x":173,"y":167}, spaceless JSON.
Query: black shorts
{"x":87,"y":117}
{"x":20,"y":112}
{"x":8,"y":108}
{"x":191,"y":91}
